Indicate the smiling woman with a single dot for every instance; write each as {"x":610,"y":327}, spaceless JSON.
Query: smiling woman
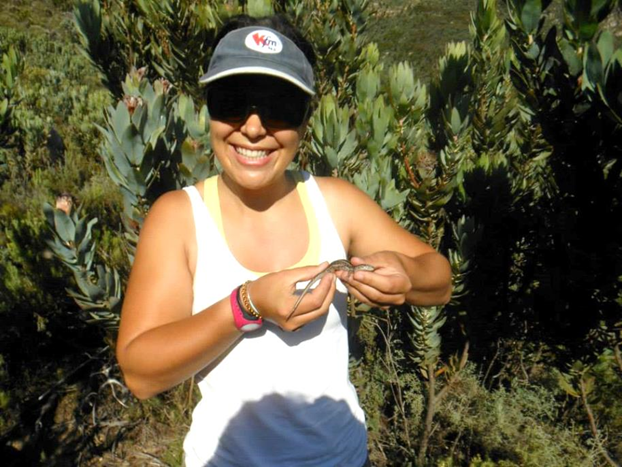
{"x":215,"y":286}
{"x":257,"y":123}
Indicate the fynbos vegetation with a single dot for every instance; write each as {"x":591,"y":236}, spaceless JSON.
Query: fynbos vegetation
{"x":508,"y":161}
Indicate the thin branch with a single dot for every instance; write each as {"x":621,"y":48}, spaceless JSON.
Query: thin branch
{"x":618,"y":356}
{"x":190,"y":391}
{"x":593,"y":427}
{"x":433,"y":400}
{"x":397,"y":394}
{"x":455,"y":443}
{"x":71,"y":373}
{"x":463,"y":361}
{"x":494,"y":359}
{"x":522,"y":367}
{"x":429,"y":417}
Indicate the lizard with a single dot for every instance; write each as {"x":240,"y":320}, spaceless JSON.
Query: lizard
{"x":338,"y":265}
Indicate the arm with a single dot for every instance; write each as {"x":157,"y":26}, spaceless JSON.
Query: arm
{"x":161,"y":343}
{"x":407,"y":269}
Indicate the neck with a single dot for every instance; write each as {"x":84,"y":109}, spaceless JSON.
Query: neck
{"x":259,"y":199}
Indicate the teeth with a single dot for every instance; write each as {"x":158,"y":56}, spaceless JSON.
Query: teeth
{"x":250,"y":153}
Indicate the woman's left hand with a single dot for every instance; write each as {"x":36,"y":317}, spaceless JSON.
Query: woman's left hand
{"x":386,"y":286}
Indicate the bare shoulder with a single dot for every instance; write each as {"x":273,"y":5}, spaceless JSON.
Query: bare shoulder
{"x":362,"y":224}
{"x":165,"y":246}
{"x":332,"y":185}
{"x":169,"y":224}
{"x":171,"y":205}
{"x":347,"y":201}
{"x":339,"y":191}
{"x":171,"y":212}
{"x":352,"y":211}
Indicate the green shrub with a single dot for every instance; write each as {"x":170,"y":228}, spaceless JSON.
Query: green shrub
{"x":52,"y":151}
{"x":487,"y":163}
{"x":518,"y":424}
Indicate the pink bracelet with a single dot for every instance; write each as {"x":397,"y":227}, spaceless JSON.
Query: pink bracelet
{"x":242,"y":323}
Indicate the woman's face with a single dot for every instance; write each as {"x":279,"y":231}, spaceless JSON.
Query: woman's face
{"x":252,"y":130}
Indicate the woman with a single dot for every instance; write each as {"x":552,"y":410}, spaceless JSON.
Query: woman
{"x":213,"y":285}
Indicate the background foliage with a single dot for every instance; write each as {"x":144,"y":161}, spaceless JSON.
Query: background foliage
{"x":504,"y":155}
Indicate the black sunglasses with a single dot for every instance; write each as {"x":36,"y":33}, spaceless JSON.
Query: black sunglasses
{"x":278,"y":107}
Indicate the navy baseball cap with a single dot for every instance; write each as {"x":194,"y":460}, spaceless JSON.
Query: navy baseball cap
{"x":260,"y":51}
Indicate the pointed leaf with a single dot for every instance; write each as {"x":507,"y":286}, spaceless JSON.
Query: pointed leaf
{"x":64,"y":226}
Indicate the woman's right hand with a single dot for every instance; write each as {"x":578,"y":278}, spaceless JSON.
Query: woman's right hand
{"x":274,"y":296}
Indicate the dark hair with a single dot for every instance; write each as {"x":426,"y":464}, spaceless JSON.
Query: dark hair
{"x":277,"y":22}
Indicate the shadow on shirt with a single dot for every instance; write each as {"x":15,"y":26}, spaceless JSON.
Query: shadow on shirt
{"x":282,"y":431}
{"x":334,"y":319}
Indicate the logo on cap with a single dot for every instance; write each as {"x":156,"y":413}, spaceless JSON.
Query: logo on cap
{"x":264,"y":41}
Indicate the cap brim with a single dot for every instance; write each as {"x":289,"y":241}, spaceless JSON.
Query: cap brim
{"x":255,"y":70}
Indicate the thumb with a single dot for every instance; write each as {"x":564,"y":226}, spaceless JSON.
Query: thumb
{"x":356,"y":261}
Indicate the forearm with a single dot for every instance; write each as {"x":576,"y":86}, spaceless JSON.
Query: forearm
{"x":167,"y":355}
{"x":430,"y":276}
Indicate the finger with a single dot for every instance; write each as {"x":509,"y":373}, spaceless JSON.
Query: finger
{"x":377,"y":302}
{"x":347,"y":276}
{"x":357,"y":295}
{"x":299,"y":320}
{"x":314,"y":298}
{"x":372,"y":296}
{"x":328,"y":298}
{"x":356,"y":261}
{"x":390,"y":284}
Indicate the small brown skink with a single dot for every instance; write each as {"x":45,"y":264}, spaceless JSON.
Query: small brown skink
{"x":339,"y":265}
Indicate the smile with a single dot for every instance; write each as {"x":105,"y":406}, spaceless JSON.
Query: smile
{"x":251,"y":154}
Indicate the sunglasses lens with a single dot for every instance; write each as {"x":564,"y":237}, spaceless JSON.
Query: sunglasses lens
{"x":277,"y":106}
{"x":227,"y":105}
{"x":284,"y":112}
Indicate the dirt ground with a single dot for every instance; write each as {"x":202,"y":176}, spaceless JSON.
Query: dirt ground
{"x":92,"y":421}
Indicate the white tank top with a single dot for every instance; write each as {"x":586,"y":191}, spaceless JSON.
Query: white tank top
{"x":275,"y":398}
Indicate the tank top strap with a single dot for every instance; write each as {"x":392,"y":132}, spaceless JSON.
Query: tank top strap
{"x":332,"y":246}
{"x":202,"y":220}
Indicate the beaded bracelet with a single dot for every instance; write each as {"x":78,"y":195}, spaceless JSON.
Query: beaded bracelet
{"x":247,"y":314}
{"x":243,"y":323}
{"x":253,"y":307}
{"x":246,"y":301}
